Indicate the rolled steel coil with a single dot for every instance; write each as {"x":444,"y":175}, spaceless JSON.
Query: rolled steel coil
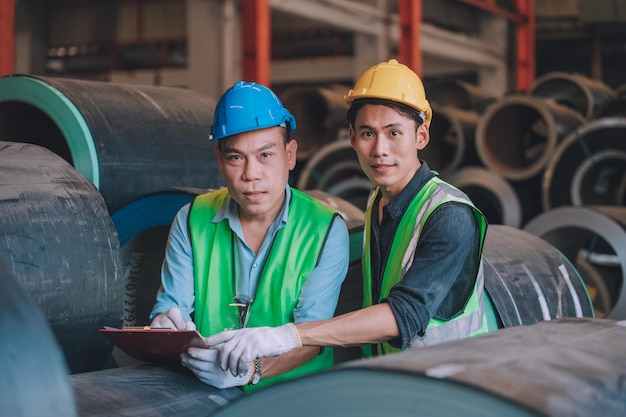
{"x":517,"y":135}
{"x":452,"y":142}
{"x":588,"y":166}
{"x":580,"y":229}
{"x":61,"y":245}
{"x":320,"y":114}
{"x":147,"y":390}
{"x":354,"y":190}
{"x":568,"y":367}
{"x":598,"y":291}
{"x":335,"y":169}
{"x":34,"y":380}
{"x":490,"y":192}
{"x":581,"y":93}
{"x":129,"y":140}
{"x":529,"y":280}
{"x":460,"y":94}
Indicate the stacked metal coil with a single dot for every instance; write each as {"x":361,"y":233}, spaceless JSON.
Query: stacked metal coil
{"x":129,"y":140}
{"x":60,"y":243}
{"x":570,"y":367}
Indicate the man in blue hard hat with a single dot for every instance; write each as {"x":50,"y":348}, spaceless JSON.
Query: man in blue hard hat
{"x":256,"y":253}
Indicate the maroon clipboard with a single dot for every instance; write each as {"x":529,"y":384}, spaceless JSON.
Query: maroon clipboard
{"x":154,"y":345}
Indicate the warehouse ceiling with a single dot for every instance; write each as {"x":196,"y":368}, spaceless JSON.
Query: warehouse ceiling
{"x":583,"y":36}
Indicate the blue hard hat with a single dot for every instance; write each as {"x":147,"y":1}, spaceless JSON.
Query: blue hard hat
{"x":249,"y":106}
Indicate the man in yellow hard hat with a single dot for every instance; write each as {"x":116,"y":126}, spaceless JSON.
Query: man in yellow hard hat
{"x":422,"y":255}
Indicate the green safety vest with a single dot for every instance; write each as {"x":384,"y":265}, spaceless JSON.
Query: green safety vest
{"x":472,"y":321}
{"x":294,"y":253}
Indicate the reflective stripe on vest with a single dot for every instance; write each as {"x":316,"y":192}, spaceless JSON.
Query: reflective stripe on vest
{"x":294,"y":253}
{"x":472,"y":320}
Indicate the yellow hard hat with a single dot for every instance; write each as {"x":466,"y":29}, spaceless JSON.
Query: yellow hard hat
{"x":392,"y":81}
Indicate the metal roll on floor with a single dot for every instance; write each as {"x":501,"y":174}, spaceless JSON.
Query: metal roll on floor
{"x":529,"y":280}
{"x":576,"y":230}
{"x":61,"y":245}
{"x":490,"y":192}
{"x":34,"y":380}
{"x":335,"y":169}
{"x":129,"y":140}
{"x":581,"y":93}
{"x":320,"y":114}
{"x":147,"y":390}
{"x":517,"y":135}
{"x":588,"y":166}
{"x":570,"y":367}
{"x":452,"y":143}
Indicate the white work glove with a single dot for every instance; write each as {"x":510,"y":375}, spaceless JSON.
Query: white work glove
{"x":239,"y":348}
{"x":204,"y":365}
{"x":172,"y":319}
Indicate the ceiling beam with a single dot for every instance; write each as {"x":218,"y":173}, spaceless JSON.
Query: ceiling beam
{"x":362,"y":18}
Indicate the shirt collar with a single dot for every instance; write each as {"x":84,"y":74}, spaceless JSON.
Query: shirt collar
{"x":230,"y":210}
{"x":398,"y":205}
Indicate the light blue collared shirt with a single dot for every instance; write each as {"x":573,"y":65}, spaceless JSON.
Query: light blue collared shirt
{"x":320,"y":292}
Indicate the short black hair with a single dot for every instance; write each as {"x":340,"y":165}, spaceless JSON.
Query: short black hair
{"x":409,"y":112}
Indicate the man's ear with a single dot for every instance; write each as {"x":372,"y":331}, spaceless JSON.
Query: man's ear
{"x":292,"y":151}
{"x":423,"y":137}
{"x":352,"y":134}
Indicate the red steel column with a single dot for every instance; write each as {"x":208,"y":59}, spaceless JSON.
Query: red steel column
{"x":256,"y":26}
{"x":7,"y":37}
{"x":525,"y":10}
{"x":409,"y":49}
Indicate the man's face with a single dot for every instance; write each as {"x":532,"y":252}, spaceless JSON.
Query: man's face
{"x":386,"y":143}
{"x":256,"y":166}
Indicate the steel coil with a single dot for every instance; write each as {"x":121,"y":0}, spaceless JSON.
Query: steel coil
{"x":517,"y":135}
{"x":529,"y":280}
{"x":490,"y":192}
{"x":581,"y":93}
{"x":147,"y":390}
{"x":129,"y":140}
{"x":320,"y":114}
{"x":588,"y":166}
{"x":61,"y":245}
{"x":34,"y":380}
{"x":580,"y":229}
{"x":452,"y":142}
{"x":568,"y":367}
{"x":335,"y":169}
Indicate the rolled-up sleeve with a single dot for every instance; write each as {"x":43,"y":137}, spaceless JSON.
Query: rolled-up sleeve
{"x":444,"y":268}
